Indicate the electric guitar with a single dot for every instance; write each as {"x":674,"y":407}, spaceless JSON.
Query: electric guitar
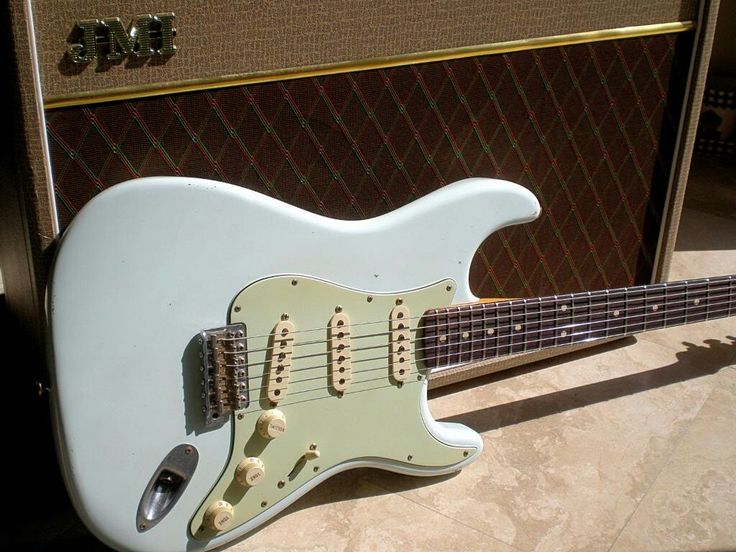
{"x":218,"y":353}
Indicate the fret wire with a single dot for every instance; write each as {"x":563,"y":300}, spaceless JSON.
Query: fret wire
{"x":707,"y":289}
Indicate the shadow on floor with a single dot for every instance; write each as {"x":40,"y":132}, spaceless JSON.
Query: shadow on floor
{"x":695,"y":361}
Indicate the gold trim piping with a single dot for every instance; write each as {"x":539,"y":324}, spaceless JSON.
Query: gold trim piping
{"x":159,"y":89}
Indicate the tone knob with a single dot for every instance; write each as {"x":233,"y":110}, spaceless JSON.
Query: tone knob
{"x":250,"y":472}
{"x":219,"y":515}
{"x":271,"y":424}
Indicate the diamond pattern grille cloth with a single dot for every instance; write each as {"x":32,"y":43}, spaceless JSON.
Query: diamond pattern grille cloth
{"x":589,"y":128}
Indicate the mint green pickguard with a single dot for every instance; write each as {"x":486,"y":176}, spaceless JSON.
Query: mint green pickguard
{"x":375,"y":420}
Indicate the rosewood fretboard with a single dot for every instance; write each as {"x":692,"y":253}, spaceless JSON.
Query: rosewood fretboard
{"x":468,"y":333}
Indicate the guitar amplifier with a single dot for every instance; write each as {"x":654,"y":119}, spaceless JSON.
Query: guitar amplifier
{"x":351,"y":110}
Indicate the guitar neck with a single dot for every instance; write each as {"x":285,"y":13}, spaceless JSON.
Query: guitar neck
{"x":469,"y":333}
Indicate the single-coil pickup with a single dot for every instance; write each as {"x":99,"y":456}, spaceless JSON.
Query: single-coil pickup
{"x":282,"y":347}
{"x":339,"y":353}
{"x":400,"y":345}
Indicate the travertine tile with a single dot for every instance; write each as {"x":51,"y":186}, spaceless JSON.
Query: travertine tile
{"x":348,"y":513}
{"x":692,"y":504}
{"x":571,"y":448}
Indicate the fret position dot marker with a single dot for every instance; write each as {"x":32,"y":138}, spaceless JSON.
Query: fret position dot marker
{"x":443,"y":338}
{"x":563,"y":333}
{"x":466,"y":335}
{"x":696,"y":302}
{"x":616,"y":313}
{"x":563,"y":308}
{"x":655,"y":308}
{"x":517,"y":327}
{"x":491,"y":331}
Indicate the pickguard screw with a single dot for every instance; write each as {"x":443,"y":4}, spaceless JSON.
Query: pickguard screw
{"x":369,"y":298}
{"x":313,"y":446}
{"x":294,"y":282}
{"x":340,"y":394}
{"x":264,"y":504}
{"x":237,"y":308}
{"x":449,"y":288}
{"x":419,"y":377}
{"x":399,"y":301}
{"x":241,"y":416}
{"x":285,"y":316}
{"x":338,"y":308}
{"x":465,"y":453}
{"x":281,"y":484}
{"x":188,"y":450}
{"x":200,"y":341}
{"x":315,"y":469}
{"x":409,"y":457}
{"x":142,"y":526}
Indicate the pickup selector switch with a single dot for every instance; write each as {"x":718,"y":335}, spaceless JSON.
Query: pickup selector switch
{"x":271,"y":424}
{"x":219,"y":515}
{"x":250,"y":472}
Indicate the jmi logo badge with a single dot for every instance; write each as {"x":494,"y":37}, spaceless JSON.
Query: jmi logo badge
{"x":149,"y":35}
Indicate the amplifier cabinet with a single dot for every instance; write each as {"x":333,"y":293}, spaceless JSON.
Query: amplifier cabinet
{"x":350,"y":111}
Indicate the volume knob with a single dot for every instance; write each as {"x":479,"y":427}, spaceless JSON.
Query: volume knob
{"x":250,"y":472}
{"x":219,"y":515}
{"x":271,"y":424}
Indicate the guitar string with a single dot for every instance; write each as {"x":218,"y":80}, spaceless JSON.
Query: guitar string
{"x":710,"y":283}
{"x":713,"y":300}
{"x":570,"y":324}
{"x":688,"y":294}
{"x":408,"y":382}
{"x":510,"y":316}
{"x":537,"y":342}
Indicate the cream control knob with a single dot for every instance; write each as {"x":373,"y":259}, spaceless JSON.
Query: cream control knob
{"x":250,"y":472}
{"x":271,"y":424}
{"x":219,"y":515}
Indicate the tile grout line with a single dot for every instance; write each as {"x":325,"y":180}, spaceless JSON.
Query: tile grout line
{"x":664,"y":466}
{"x":424,"y":506}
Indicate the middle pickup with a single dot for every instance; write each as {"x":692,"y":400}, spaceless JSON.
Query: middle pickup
{"x":282,"y":349}
{"x":339,"y":352}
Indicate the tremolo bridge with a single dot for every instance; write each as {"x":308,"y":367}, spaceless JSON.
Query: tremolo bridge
{"x":224,"y":371}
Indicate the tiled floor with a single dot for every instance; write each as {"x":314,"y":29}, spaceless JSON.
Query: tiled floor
{"x":631,"y":447}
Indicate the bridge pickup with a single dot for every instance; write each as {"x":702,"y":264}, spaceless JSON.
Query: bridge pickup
{"x":225,"y":371}
{"x":400,"y":346}
{"x":339,"y":353}
{"x":282,"y":348}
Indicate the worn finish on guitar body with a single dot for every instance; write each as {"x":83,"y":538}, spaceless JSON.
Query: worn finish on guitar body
{"x":130,"y":266}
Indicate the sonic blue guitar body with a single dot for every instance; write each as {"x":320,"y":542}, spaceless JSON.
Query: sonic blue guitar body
{"x":218,"y":353}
